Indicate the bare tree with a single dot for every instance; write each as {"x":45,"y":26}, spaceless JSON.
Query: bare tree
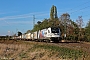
{"x":64,"y":21}
{"x":80,"y":22}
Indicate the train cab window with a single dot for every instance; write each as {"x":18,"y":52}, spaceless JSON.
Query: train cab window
{"x":55,"y":30}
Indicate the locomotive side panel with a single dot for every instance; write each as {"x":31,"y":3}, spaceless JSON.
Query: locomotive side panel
{"x":41,"y":34}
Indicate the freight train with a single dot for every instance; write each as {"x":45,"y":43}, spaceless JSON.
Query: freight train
{"x":51,"y":34}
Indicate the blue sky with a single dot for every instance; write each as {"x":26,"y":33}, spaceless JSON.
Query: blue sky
{"x":17,"y":15}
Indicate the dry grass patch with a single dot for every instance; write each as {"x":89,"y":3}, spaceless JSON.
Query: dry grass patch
{"x":22,"y":50}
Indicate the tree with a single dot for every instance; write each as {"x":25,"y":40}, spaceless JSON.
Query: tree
{"x":45,"y":23}
{"x":80,"y":24}
{"x":28,"y":31}
{"x":36,"y":28}
{"x":39,"y":22}
{"x":65,"y":20}
{"x":68,"y":27}
{"x":53,"y":13}
{"x":53,"y":21}
{"x":19,"y":33}
{"x":87,"y":31}
{"x":88,"y":28}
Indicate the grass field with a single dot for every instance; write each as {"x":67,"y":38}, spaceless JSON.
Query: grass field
{"x":24,"y":50}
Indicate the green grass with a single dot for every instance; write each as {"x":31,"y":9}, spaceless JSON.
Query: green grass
{"x":63,"y":52}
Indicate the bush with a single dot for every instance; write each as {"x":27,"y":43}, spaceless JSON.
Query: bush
{"x":88,"y":38}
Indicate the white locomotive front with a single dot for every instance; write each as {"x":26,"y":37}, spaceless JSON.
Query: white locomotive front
{"x":49,"y":34}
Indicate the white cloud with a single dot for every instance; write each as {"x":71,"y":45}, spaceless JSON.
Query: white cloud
{"x":23,"y":16}
{"x":15,"y":17}
{"x":8,"y":12}
{"x":14,"y":20}
{"x":21,"y":22}
{"x":12,"y":23}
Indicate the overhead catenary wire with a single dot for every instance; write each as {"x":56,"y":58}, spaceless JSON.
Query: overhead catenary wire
{"x":80,"y":9}
{"x":73,"y":11}
{"x":78,"y":6}
{"x":42,"y":14}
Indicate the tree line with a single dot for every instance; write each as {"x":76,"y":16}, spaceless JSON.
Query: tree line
{"x":70,"y":30}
